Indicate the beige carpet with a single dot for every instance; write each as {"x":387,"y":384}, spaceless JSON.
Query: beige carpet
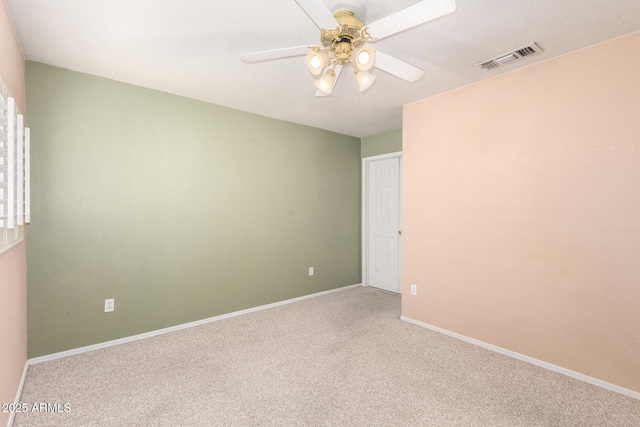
{"x":343,"y":359}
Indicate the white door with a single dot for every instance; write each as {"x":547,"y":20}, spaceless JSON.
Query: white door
{"x":382,"y":204}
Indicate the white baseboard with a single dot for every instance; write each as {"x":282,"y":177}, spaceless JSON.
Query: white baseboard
{"x":106,"y":344}
{"x":12,"y":414}
{"x":522,"y":357}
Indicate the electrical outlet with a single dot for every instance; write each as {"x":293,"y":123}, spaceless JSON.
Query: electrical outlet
{"x":414,"y":290}
{"x":310,"y":271}
{"x":109,"y":305}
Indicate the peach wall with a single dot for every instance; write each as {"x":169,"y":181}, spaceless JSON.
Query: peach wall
{"x":13,"y":265}
{"x":11,"y":58}
{"x":521,"y":211}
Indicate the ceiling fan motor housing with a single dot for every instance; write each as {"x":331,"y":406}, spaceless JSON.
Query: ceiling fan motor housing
{"x":344,"y":39}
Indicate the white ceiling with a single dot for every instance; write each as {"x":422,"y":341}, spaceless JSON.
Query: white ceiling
{"x":192,"y":48}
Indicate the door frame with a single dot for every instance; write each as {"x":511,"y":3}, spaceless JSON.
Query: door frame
{"x":365,"y":226}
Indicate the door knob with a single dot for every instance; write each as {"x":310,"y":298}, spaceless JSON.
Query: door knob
{"x":400,"y":232}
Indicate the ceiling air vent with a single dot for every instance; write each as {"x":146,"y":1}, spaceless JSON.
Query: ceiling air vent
{"x":508,"y":57}
{"x":526,"y":51}
{"x":489,"y":65}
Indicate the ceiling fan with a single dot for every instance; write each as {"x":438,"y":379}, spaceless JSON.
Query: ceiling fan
{"x":345,"y":40}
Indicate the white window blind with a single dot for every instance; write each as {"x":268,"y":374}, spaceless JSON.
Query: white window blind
{"x":15,"y":201}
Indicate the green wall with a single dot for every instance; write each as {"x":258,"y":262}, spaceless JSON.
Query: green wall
{"x":382,"y":143}
{"x":178,"y":209}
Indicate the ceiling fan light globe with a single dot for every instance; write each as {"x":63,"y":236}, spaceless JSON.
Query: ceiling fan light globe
{"x":365,"y":58}
{"x":325,"y":83}
{"x":317,"y":60}
{"x":365,"y":79}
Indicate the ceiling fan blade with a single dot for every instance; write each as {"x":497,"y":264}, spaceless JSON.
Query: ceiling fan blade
{"x":416,"y":14}
{"x":395,"y":66}
{"x":268,"y":55}
{"x":319,"y":13}
{"x":337,"y":70}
